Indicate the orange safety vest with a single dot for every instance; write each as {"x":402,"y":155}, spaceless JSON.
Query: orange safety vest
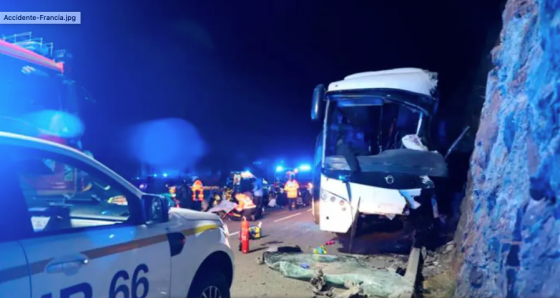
{"x":197,"y":187}
{"x":291,"y":189}
{"x":245,"y":203}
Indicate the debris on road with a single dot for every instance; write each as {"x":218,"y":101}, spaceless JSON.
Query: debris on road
{"x":255,"y":232}
{"x":435,"y":262}
{"x":224,"y":206}
{"x":330,"y":242}
{"x":319,"y":284}
{"x":353,"y":291}
{"x":320,"y":250}
{"x":438,"y":273}
{"x":339,"y":271}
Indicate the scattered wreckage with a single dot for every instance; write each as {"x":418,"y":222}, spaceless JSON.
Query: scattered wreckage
{"x":328,"y":274}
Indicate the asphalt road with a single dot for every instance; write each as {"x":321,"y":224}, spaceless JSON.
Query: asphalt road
{"x":289,"y":228}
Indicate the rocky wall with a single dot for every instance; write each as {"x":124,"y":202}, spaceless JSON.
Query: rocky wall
{"x":510,"y":226}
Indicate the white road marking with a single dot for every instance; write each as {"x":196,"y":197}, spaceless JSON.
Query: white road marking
{"x":234,"y":233}
{"x":283,"y":218}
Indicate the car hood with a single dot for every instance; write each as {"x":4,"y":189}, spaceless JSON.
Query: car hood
{"x":186,"y":214}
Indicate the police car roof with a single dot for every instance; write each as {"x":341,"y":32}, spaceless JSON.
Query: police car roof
{"x":36,"y":143}
{"x":409,"y":79}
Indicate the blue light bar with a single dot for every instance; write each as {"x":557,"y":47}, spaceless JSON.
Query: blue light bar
{"x":279,"y":168}
{"x":305,"y":168}
{"x":164,"y":174}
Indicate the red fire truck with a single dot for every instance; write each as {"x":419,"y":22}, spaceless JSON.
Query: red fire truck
{"x":39,"y":99}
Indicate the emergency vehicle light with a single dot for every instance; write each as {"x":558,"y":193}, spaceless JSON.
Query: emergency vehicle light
{"x":17,"y":51}
{"x":305,"y":167}
{"x":247,"y":175}
{"x":279,"y":168}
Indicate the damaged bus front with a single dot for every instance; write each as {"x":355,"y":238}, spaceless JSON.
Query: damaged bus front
{"x":373,"y":157}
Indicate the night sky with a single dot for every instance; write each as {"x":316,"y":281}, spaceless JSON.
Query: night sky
{"x":243,"y":71}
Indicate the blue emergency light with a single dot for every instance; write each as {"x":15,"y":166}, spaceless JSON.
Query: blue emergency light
{"x":305,"y":168}
{"x":279,"y":168}
{"x":164,"y":175}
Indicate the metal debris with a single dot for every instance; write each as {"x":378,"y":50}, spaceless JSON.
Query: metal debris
{"x":319,"y":284}
{"x":353,"y":291}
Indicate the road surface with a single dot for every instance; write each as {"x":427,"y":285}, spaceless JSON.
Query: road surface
{"x":289,"y":228}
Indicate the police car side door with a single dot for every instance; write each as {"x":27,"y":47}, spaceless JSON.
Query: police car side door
{"x":15,"y":280}
{"x":103,"y":250}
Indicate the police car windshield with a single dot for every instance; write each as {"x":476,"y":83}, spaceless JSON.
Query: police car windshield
{"x":53,"y":189}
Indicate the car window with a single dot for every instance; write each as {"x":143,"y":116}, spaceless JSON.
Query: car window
{"x":62,"y":196}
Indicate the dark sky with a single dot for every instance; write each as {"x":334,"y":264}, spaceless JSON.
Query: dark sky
{"x":243,"y":71}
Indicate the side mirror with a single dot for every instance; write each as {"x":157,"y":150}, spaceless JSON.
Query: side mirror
{"x":156,"y":209}
{"x":317,"y":102}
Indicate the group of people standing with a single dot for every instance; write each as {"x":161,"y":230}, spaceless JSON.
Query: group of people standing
{"x":185,"y":195}
{"x":250,"y":197}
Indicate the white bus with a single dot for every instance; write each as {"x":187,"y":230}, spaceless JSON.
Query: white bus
{"x":372,"y":157}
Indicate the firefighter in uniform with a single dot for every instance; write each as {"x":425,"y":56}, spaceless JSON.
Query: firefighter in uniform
{"x":291,"y":188}
{"x":197,"y":194}
{"x":245,"y":205}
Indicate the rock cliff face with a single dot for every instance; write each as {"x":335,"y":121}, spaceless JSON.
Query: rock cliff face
{"x":510,"y":226}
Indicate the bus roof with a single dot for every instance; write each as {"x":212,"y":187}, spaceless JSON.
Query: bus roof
{"x":408,"y":79}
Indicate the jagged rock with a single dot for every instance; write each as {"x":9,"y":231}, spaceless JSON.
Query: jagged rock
{"x":510,"y":224}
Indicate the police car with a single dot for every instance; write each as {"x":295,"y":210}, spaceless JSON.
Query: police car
{"x":70,"y":227}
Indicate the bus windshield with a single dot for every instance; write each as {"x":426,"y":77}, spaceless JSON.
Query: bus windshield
{"x":369,"y":129}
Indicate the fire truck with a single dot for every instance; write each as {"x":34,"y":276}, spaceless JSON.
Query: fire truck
{"x":37,"y":78}
{"x":39,"y":99}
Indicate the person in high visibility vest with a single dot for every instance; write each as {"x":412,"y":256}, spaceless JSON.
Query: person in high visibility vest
{"x":197,"y":193}
{"x":291,"y":188}
{"x":245,"y":205}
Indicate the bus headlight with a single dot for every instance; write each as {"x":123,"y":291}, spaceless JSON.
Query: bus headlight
{"x":327,"y":196}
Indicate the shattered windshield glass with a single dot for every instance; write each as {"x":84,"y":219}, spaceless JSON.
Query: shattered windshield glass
{"x":369,"y":129}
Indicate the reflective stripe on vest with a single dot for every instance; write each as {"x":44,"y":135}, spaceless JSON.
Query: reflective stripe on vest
{"x":291,"y":190}
{"x":248,"y":203}
{"x":197,"y":187}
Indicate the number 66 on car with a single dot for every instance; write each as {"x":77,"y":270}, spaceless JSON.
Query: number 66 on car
{"x":59,"y":239}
